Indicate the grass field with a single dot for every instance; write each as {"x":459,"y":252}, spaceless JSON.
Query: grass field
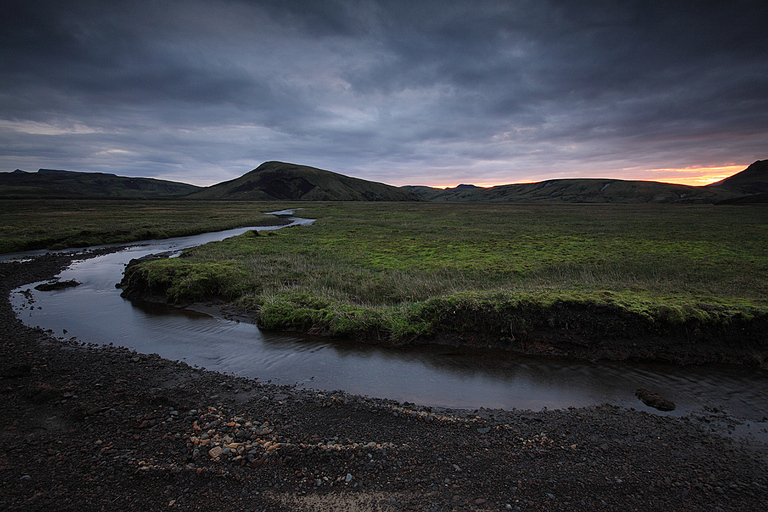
{"x":399,"y":271}
{"x":59,"y":224}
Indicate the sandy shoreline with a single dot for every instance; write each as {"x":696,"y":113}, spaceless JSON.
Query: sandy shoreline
{"x":104,"y":428}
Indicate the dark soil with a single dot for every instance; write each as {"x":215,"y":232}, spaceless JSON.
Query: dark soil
{"x":607,"y":332}
{"x":102,"y":428}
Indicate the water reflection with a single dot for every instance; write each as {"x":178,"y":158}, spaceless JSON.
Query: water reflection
{"x":437,"y":376}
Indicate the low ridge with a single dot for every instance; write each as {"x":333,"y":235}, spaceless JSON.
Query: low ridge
{"x":748,"y":186}
{"x":582,"y":191}
{"x":59,"y":184}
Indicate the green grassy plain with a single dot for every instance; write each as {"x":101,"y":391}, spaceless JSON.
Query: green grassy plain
{"x":399,"y":271}
{"x":58,"y":224}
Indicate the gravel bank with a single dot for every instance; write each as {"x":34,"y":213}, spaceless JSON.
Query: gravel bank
{"x":103,"y":428}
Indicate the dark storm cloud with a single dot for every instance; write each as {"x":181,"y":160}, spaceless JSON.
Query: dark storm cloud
{"x":420,"y":92}
{"x":57,"y":60}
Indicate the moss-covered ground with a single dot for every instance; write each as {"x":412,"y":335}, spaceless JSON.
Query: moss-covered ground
{"x":59,"y":224}
{"x":403,"y":272}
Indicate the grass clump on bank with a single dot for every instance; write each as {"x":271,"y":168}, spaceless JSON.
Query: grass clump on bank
{"x":499,"y":273}
{"x":181,"y":281}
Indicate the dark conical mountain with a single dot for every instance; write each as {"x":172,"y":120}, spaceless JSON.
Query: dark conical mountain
{"x":291,"y":182}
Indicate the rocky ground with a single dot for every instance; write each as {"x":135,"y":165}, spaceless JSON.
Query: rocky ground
{"x":102,"y":428}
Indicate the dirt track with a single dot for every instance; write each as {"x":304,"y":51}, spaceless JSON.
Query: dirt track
{"x":93,"y":428}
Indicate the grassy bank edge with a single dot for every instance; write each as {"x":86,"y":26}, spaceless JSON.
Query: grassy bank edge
{"x":29,"y":225}
{"x":585,"y":324}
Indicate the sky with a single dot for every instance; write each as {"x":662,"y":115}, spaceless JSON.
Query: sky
{"x":403,"y":92}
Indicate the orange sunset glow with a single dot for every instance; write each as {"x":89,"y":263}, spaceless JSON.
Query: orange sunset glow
{"x":693,"y":176}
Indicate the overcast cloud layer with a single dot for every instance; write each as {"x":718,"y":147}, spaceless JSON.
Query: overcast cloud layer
{"x":408,"y":92}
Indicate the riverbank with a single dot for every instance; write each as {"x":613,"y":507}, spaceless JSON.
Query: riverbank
{"x":587,"y":327}
{"x":27,"y":224}
{"x":100,"y":427}
{"x":681,"y":285}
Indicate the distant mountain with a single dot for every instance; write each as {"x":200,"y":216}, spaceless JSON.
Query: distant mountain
{"x":461,"y":192}
{"x":291,"y":182}
{"x":747,"y":187}
{"x":581,"y":191}
{"x":52,"y":183}
{"x":752,"y":180}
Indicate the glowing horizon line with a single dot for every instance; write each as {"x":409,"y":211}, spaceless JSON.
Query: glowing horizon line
{"x":717,"y":173}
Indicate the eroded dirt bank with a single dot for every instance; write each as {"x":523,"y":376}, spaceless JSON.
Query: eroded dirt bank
{"x":578,"y":329}
{"x":93,"y":428}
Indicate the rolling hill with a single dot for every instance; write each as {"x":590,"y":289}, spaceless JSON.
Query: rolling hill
{"x":748,"y":186}
{"x":291,"y":182}
{"x":752,"y":180}
{"x":581,"y":191}
{"x":55,"y":184}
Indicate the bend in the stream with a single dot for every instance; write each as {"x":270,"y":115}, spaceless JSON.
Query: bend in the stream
{"x":94,"y":312}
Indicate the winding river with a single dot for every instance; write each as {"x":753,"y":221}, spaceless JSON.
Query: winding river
{"x":94,"y":312}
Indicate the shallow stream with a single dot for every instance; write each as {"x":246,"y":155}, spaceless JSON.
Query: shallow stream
{"x":94,"y":312}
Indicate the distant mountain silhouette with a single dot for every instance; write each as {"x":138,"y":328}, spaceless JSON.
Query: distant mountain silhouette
{"x":291,"y":182}
{"x":461,"y":192}
{"x":738,"y":189}
{"x":52,"y":183}
{"x":580,"y":191}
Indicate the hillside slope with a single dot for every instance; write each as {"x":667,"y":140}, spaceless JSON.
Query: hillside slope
{"x":581,"y":191}
{"x":746,"y":187}
{"x":752,"y":180}
{"x":291,"y":182}
{"x":53,"y":184}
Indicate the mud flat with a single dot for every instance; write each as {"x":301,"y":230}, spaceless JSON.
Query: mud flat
{"x":97,"y":428}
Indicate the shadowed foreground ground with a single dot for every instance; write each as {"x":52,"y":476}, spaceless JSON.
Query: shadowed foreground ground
{"x":92,"y":428}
